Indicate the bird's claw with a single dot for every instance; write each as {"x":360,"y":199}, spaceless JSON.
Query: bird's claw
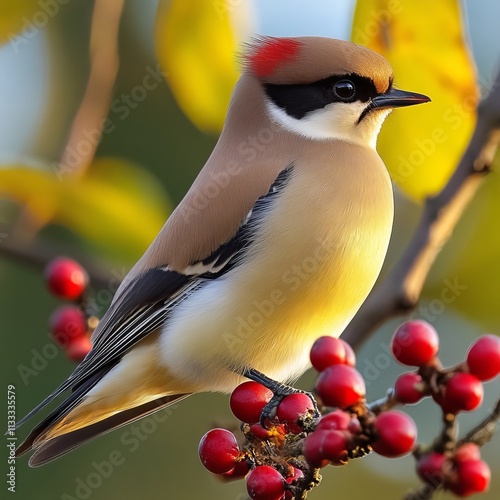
{"x":280,"y":392}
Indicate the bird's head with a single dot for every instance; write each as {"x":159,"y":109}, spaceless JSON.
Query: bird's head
{"x":323,"y":88}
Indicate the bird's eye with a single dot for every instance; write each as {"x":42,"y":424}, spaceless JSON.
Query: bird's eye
{"x":344,"y":90}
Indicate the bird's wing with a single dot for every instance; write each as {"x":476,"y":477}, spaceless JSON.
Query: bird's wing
{"x":122,"y":329}
{"x":147,"y":301}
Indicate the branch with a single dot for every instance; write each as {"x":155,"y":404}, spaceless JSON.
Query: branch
{"x":38,"y":256}
{"x":480,"y":435}
{"x":484,"y":431}
{"x":94,"y":107}
{"x":400,"y":291}
{"x":86,"y":130}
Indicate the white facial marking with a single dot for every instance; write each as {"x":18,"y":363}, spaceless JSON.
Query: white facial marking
{"x":334,"y":121}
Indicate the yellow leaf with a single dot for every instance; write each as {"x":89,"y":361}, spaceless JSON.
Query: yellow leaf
{"x":116,"y":205}
{"x":425,"y":43}
{"x":21,"y":15}
{"x":195,"y":45}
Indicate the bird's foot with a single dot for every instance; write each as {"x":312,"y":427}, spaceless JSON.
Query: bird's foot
{"x":280,"y":391}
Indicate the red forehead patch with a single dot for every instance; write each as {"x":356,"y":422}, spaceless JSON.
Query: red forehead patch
{"x":271,"y":53}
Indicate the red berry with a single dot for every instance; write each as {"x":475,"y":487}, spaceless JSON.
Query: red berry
{"x":432,"y":468}
{"x":260,"y":432}
{"x":336,"y":420}
{"x":291,"y":479}
{"x":354,"y":426}
{"x":78,"y":348}
{"x":248,"y":400}
{"x":440,"y":399}
{"x":292,"y":408}
{"x":340,"y":385}
{"x":463,"y":392}
{"x":328,"y":351}
{"x":483,"y":357}
{"x":334,"y":447}
{"x":409,"y":388}
{"x":265,"y":483}
{"x":67,"y":323}
{"x":66,"y":278}
{"x":240,"y":470}
{"x":415,"y":343}
{"x":313,"y":449}
{"x":323,"y":446}
{"x":396,"y":434}
{"x":295,"y":475}
{"x":472,"y":477}
{"x":467,"y":452}
{"x":218,"y":451}
{"x":274,"y":430}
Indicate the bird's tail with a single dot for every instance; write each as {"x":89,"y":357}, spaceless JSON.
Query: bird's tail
{"x":48,"y":443}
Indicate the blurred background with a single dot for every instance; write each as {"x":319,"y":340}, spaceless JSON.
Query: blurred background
{"x":109,"y":109}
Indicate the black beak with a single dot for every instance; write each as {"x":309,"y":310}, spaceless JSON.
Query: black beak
{"x":394,"y":98}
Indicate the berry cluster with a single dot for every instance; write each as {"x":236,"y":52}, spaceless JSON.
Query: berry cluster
{"x":455,"y":466}
{"x":351,"y":430}
{"x":282,"y":460}
{"x":462,"y":471}
{"x":70,"y":324}
{"x":455,"y":389}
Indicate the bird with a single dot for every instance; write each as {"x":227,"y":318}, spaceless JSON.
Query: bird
{"x":278,"y":241}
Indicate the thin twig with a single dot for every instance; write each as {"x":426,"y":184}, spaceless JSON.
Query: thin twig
{"x":87,"y":126}
{"x":424,"y":491}
{"x":86,"y":130}
{"x":38,"y":256}
{"x":383,"y":404}
{"x":399,"y":292}
{"x":484,"y":431}
{"x":311,"y":480}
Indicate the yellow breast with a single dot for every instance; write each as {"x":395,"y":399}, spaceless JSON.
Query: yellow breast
{"x":314,"y":260}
